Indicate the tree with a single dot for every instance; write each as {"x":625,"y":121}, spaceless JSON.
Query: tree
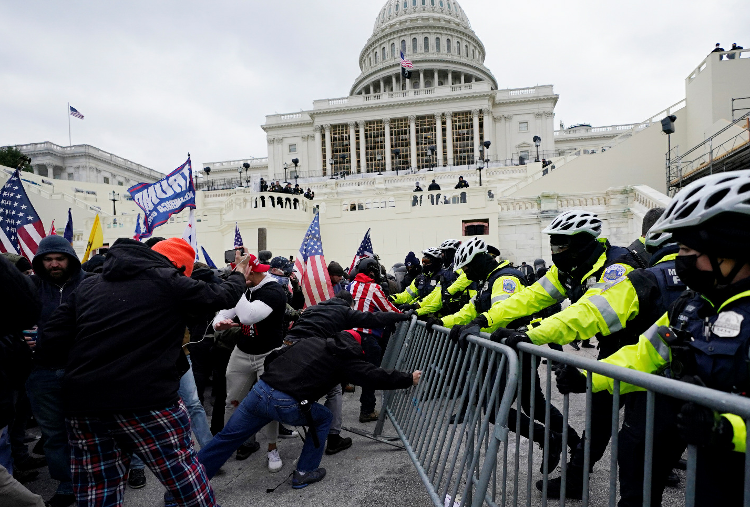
{"x":10,"y":156}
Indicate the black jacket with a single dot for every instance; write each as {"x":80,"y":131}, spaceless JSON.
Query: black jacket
{"x":433,"y":186}
{"x":122,"y":331}
{"x":310,"y":368}
{"x":335,"y":315}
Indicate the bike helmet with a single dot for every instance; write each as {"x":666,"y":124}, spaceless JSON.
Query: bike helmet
{"x":705,"y":198}
{"x":450,"y":244}
{"x":575,"y":221}
{"x":656,"y":240}
{"x":467,"y":251}
{"x":434,"y":253}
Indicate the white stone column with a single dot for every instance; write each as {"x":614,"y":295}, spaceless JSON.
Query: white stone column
{"x":449,"y":136}
{"x":327,"y":128}
{"x":413,"y":140}
{"x":435,"y":81}
{"x":393,"y":83}
{"x":421,"y":79}
{"x":548,"y":132}
{"x":500,"y":137}
{"x":475,"y":118}
{"x":508,"y":136}
{"x":318,"y":149}
{"x":353,"y":147}
{"x":271,"y":161}
{"x":382,"y":88}
{"x":303,"y":154}
{"x":439,"y":138}
{"x":362,"y":148}
{"x":462,"y":78}
{"x":387,"y":154}
{"x":450,"y":78}
{"x":489,"y":132}
{"x":278,"y":154}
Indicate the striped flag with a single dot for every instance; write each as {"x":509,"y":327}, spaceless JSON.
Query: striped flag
{"x":406,"y":63}
{"x":74,"y":112}
{"x":311,"y":268}
{"x":237,"y":238}
{"x":190,"y":234}
{"x":21,"y":229}
{"x":52,"y":230}
{"x":365,"y":250}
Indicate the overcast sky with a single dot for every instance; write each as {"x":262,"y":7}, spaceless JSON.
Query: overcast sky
{"x":156,"y":79}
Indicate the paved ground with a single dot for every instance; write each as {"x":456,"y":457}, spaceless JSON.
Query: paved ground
{"x":369,"y":473}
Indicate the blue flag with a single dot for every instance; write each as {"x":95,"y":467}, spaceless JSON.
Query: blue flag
{"x":208,"y":259}
{"x":168,"y":196}
{"x":68,"y":234}
{"x":237,"y":238}
{"x":138,"y":231}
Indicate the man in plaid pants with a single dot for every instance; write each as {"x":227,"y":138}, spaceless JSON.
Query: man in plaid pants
{"x":122,"y":333}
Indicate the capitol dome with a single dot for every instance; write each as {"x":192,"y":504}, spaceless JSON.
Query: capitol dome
{"x":434,"y":34}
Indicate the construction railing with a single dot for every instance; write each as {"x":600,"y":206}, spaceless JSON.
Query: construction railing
{"x":455,"y":424}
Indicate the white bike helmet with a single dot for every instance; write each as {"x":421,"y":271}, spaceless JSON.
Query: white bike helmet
{"x":467,"y":251}
{"x":656,"y":240}
{"x":575,"y":221}
{"x":433,"y":252}
{"x":705,"y":198}
{"x":450,"y":244}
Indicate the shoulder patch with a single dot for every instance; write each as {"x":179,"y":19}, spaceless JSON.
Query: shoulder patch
{"x":614,"y":272}
{"x":509,"y":286}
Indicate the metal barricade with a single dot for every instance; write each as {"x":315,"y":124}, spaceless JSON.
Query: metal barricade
{"x":453,"y":423}
{"x":654,"y":385}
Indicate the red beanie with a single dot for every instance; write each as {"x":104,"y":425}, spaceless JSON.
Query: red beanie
{"x":355,"y":335}
{"x":178,"y":251}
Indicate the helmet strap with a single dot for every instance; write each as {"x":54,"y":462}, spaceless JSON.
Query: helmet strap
{"x":720,"y":278}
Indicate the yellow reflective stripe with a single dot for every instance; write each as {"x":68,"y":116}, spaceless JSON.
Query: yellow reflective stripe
{"x":599,"y":263}
{"x":739,"y":431}
{"x":499,"y":298}
{"x":734,"y":298}
{"x":653,"y":337}
{"x":666,"y":258}
{"x":411,"y":292}
{"x":607,"y":312}
{"x":547,"y":285}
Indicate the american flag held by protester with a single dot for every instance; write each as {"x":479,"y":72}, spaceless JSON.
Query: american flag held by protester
{"x":311,"y":268}
{"x":74,"y":112}
{"x":237,"y":238}
{"x":21,"y":229}
{"x":365,"y":250}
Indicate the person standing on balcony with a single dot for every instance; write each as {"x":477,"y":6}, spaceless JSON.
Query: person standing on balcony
{"x":433,"y":186}
{"x":461,"y":183}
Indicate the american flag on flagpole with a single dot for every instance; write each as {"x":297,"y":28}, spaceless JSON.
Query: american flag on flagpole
{"x":237,"y":238}
{"x":365,"y":250}
{"x":74,"y":112}
{"x":52,"y":230}
{"x":311,"y":268}
{"x":21,"y":229}
{"x":406,"y":63}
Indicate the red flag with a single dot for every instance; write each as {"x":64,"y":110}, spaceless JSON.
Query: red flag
{"x":52,"y":230}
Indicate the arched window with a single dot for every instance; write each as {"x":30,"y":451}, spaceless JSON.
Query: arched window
{"x":396,"y":7}
{"x":449,"y":4}
{"x":369,"y":61}
{"x":437,"y":44}
{"x":403,"y":46}
{"x":458,"y":47}
{"x":414,"y":43}
{"x":383,"y":54}
{"x":389,"y":10}
{"x":441,"y":4}
{"x":426,"y":44}
{"x":473,"y":54}
{"x":376,"y":57}
{"x":432,"y":2}
{"x":393,"y":50}
{"x":413,"y":3}
{"x":466,"y":47}
{"x":428,"y":84}
{"x":424,"y":2}
{"x":448,"y":45}
{"x":406,"y":4}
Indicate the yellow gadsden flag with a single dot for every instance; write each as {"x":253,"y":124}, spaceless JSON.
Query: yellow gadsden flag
{"x":96,"y":239}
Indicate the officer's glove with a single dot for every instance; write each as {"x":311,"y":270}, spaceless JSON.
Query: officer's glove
{"x":406,"y":307}
{"x":460,"y":334}
{"x":570,"y":380}
{"x":407,"y":314}
{"x":433,"y":321}
{"x":511,"y":336}
{"x":702,"y":426}
{"x":480,"y":321}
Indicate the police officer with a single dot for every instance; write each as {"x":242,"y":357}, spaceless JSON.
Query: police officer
{"x":454,"y":290}
{"x":582,"y":262}
{"x":423,"y":284}
{"x":638,"y":247}
{"x":704,"y":338}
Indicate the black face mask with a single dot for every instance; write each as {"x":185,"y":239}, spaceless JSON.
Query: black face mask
{"x":565,"y":261}
{"x":697,"y":280}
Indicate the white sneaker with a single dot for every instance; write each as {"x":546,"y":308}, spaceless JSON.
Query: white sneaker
{"x":274,"y":461}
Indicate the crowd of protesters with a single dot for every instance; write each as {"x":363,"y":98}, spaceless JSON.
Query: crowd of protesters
{"x":286,"y":188}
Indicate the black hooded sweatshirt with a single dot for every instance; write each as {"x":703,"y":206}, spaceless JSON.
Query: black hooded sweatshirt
{"x":122,"y":331}
{"x":309,"y":369}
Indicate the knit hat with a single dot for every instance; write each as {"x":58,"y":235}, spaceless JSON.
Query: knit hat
{"x":179,"y":252}
{"x":355,"y":335}
{"x":21,"y":262}
{"x":411,"y":260}
{"x":335,"y":269}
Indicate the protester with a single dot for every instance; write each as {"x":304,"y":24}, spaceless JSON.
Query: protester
{"x":120,"y":387}
{"x":336,"y":273}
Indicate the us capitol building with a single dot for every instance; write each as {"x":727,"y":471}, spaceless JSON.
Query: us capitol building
{"x":363,"y":154}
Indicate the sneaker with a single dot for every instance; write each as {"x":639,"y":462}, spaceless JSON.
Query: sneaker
{"x":24,"y":476}
{"x":285,"y":432}
{"x":336,"y":443}
{"x":300,"y":480}
{"x":59,"y":500}
{"x":137,"y":478}
{"x":29,"y":463}
{"x":274,"y":461}
{"x":573,"y":484}
{"x":587,"y":345}
{"x":372,"y":416}
{"x":245,"y":450}
{"x":169,"y":500}
{"x":574,"y":344}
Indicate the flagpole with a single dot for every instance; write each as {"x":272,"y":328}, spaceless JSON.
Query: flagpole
{"x":70,"y":140}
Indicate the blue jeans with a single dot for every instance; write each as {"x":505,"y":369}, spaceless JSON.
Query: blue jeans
{"x":262,"y":405}
{"x":44,"y":387}
{"x":198,"y":420}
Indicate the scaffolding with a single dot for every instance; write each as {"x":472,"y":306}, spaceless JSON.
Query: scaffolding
{"x":425,"y":127}
{"x":400,"y":140}
{"x":463,"y":138}
{"x":375,"y":146}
